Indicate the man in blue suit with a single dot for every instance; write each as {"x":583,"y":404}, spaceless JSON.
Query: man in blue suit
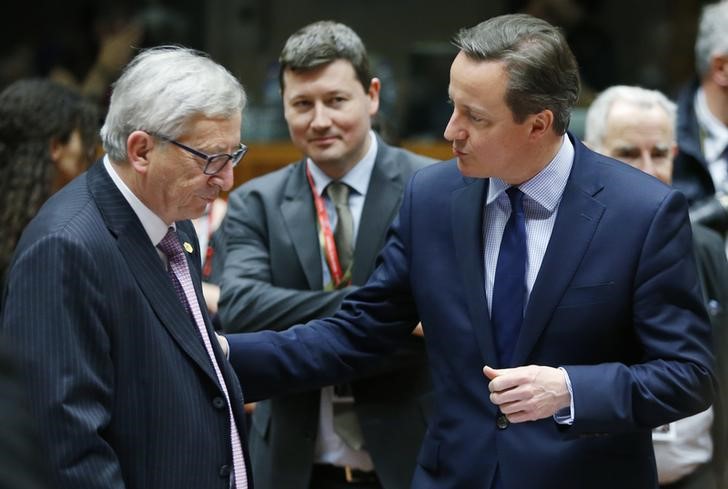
{"x":126,"y":381}
{"x":558,"y":334}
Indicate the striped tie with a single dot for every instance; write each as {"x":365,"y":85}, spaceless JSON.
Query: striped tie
{"x":180,"y":276}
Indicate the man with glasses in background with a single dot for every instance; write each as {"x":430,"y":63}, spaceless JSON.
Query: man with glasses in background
{"x":103,"y":302}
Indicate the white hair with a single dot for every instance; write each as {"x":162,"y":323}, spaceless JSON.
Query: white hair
{"x":161,"y":89}
{"x":596,"y":116}
{"x":712,"y":36}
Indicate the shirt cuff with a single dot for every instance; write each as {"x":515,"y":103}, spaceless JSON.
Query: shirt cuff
{"x":566,"y":416}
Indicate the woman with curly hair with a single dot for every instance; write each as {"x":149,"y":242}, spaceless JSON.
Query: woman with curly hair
{"x":48,"y":135}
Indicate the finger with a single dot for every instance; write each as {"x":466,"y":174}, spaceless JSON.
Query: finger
{"x":506,"y":378}
{"x":490,"y":373}
{"x":511,"y":408}
{"x":510,"y":396}
{"x":520,"y":417}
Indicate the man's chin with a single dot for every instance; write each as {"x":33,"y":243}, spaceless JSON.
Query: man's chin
{"x":326,"y":156}
{"x":471,"y":171}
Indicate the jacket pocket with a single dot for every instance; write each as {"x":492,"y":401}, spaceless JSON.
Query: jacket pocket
{"x":584,"y":295}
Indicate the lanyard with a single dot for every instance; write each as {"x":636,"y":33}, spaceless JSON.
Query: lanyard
{"x":326,"y":240}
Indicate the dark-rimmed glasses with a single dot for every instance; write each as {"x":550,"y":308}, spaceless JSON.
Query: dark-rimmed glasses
{"x":213,"y":163}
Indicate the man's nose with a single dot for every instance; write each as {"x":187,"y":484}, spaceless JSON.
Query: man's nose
{"x":647,"y":164}
{"x":321,"y":117}
{"x":452,"y":130}
{"x":225,"y":177}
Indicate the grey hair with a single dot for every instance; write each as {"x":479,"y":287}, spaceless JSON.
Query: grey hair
{"x":712,"y":36}
{"x":542,"y":70}
{"x":321,"y":43}
{"x":161,"y":89}
{"x":596,"y":116}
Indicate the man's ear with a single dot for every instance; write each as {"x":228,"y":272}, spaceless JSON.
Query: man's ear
{"x":56,"y":149}
{"x":138,"y":146}
{"x":719,"y":68}
{"x":374,"y":87}
{"x":541,"y":123}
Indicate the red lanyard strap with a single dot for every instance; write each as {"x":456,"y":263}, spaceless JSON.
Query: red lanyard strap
{"x":326,"y":237}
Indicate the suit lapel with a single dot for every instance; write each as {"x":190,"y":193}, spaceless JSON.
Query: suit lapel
{"x":466,"y":212}
{"x":299,"y":216}
{"x":146,"y":266}
{"x":578,"y":216}
{"x":382,"y":200}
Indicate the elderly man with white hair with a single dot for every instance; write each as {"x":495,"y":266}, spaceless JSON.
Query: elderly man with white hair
{"x":701,"y":165}
{"x":104,"y":303}
{"x":636,"y":126}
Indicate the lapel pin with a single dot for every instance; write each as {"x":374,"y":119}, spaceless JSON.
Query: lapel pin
{"x":188,"y":247}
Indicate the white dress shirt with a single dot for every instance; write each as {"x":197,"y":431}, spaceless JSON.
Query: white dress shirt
{"x":330,"y":448}
{"x":542,"y":195}
{"x":713,"y":140}
{"x":153,"y":224}
{"x":682,"y":446}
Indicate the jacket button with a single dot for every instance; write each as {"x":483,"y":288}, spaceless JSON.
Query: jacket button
{"x":501,"y":421}
{"x":225,"y":471}
{"x":218,"y":403}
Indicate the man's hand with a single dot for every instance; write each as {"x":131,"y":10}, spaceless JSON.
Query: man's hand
{"x":418,"y":331}
{"x":528,"y":393}
{"x":223,"y":345}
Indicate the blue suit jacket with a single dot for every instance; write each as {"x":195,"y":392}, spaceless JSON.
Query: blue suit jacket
{"x":272,"y":279}
{"x":616,"y":302}
{"x":120,"y":382}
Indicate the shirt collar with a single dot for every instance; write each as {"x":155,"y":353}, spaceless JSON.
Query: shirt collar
{"x":715,"y":130}
{"x":357,"y":178}
{"x":547,"y":187}
{"x":154,"y":225}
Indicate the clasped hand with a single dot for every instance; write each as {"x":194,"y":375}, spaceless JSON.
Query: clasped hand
{"x":528,"y":393}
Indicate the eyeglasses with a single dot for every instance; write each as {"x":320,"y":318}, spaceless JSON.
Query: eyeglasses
{"x":213,"y":163}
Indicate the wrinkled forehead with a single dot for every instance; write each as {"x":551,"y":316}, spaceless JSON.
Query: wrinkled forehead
{"x":635,"y":121}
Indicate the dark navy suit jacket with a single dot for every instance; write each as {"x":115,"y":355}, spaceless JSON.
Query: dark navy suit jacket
{"x":616,"y":302}
{"x":120,"y":381}
{"x":272,"y":279}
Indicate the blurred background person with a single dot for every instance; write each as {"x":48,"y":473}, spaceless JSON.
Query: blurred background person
{"x":701,"y":165}
{"x":206,"y":227}
{"x":48,"y":135}
{"x":301,"y":238}
{"x":637,"y":126}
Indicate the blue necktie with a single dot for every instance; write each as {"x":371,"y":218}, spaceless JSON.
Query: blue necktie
{"x":509,"y":288}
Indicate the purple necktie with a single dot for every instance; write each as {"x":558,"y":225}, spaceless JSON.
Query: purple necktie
{"x":180,"y":275}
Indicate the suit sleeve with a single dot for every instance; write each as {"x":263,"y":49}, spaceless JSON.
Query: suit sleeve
{"x":249,"y":300}
{"x":21,"y":461}
{"x":674,"y":377}
{"x":372,"y":323}
{"x":54,"y":315}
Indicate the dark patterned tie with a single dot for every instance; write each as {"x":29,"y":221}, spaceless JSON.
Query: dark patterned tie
{"x":182,"y":280}
{"x":509,"y":287}
{"x":344,"y":233}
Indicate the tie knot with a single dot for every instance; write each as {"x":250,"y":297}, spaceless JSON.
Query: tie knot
{"x":516,"y":197}
{"x":338,"y":193}
{"x":170,"y":245}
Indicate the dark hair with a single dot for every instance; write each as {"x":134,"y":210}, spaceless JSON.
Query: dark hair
{"x":33,"y":113}
{"x":321,"y":43}
{"x":542,"y":70}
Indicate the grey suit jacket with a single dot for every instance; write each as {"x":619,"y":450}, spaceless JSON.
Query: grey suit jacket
{"x":272,"y":279}
{"x":121,"y":384}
